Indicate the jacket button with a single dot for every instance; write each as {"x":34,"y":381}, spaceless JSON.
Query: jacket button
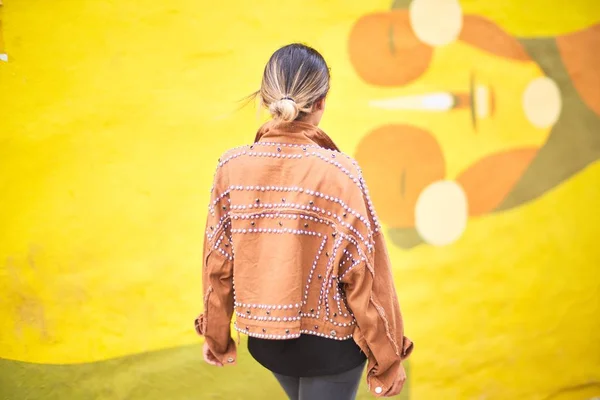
{"x":230,"y":360}
{"x":378,"y":389}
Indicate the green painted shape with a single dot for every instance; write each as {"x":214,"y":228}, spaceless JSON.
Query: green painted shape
{"x":174,"y":374}
{"x":401,"y":4}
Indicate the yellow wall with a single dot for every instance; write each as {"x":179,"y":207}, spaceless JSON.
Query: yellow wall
{"x":112,"y":117}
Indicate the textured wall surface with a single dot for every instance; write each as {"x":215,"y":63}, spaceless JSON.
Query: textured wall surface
{"x":477,"y":124}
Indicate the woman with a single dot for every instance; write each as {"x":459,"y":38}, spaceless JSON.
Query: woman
{"x":294,"y":248}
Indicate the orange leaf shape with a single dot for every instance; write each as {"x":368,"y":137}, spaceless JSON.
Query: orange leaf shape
{"x":488,"y":181}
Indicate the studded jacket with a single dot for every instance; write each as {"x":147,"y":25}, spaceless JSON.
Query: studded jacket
{"x":293,"y":246}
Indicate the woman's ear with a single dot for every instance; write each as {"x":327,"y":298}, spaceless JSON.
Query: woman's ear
{"x":319,"y":104}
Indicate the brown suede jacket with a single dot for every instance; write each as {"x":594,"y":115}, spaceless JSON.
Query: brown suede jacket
{"x":293,"y":246}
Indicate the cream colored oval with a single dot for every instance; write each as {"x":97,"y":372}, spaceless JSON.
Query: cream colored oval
{"x":436,"y":22}
{"x":542,"y":102}
{"x":441,"y":213}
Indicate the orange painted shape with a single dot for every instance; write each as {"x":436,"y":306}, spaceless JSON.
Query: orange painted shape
{"x":486,"y":35}
{"x":384,"y":50}
{"x":488,"y":181}
{"x":580,"y":52}
{"x":398,"y":162}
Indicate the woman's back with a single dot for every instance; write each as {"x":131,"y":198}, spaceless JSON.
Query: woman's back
{"x":293,"y":216}
{"x":293,"y":248}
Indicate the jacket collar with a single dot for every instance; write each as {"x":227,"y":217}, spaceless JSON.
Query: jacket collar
{"x":295,"y":132}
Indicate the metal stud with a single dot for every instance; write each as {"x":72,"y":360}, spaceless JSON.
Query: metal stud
{"x":306,"y":225}
{"x":279,"y":149}
{"x":248,"y":312}
{"x":257,"y":201}
{"x":333,"y":234}
{"x":283,"y":200}
{"x":212,"y":228}
{"x":264,"y":330}
{"x":333,"y":333}
{"x":327,"y":253}
{"x":345,"y":215}
{"x":280,"y":223}
{"x":252,"y":223}
{"x":247,"y":328}
{"x":287,"y":331}
{"x":312,"y":310}
{"x":316,"y":327}
{"x":311,"y":203}
{"x":268,"y":312}
{"x":335,"y":314}
{"x":319,"y":276}
{"x":224,"y":207}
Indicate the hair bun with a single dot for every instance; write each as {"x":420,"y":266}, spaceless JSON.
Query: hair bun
{"x":285,"y":109}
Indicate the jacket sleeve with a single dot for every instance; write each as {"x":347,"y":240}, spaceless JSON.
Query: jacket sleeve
{"x":217,"y":277}
{"x":371,"y":296}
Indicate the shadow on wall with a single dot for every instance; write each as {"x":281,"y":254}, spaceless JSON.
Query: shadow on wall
{"x":174,"y":374}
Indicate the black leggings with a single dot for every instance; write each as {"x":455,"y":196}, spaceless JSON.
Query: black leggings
{"x":342,"y":386}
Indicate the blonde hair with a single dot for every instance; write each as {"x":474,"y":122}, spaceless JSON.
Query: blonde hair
{"x":295,"y":78}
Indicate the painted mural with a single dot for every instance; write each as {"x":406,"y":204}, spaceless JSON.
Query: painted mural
{"x":519,"y":116}
{"x":477,"y":126}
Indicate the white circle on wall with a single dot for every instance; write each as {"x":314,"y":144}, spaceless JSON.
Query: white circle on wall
{"x":542,"y":102}
{"x":436,"y":22}
{"x":441,"y":213}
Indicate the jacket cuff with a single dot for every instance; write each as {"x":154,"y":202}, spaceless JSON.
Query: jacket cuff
{"x":230,"y":357}
{"x":377,"y":388}
{"x":380,"y":384}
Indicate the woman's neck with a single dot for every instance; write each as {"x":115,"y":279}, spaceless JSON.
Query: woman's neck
{"x":310,"y":119}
